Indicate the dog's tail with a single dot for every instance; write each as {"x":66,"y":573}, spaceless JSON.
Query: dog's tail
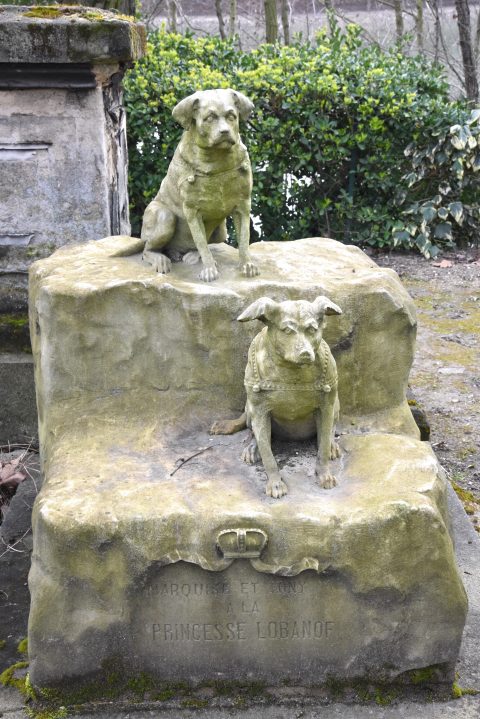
{"x":229,"y":426}
{"x":118,"y":245}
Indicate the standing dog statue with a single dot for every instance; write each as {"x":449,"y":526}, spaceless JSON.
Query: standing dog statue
{"x":291,"y":383}
{"x":208,"y":180}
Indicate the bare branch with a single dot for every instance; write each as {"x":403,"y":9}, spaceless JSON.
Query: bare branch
{"x":221,"y":21}
{"x":446,"y":56}
{"x":405,"y":11}
{"x":368,"y":36}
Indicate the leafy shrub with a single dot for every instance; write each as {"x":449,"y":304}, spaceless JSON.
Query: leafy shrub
{"x":443,"y":187}
{"x":327,"y":137}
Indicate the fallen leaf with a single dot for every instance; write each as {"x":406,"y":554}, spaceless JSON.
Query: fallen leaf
{"x":451,"y":370}
{"x":6,"y":471}
{"x":13,"y":480}
{"x":444,"y":263}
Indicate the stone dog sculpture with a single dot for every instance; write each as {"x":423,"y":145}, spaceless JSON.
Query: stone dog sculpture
{"x":208,"y":180}
{"x":291,"y":383}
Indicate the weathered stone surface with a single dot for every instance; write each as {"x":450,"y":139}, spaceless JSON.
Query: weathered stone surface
{"x":175,"y":338}
{"x":65,"y":201}
{"x":68,"y":35}
{"x":132,"y":367}
{"x":374,"y":555}
{"x":18,"y":415}
{"x":48,"y":198}
{"x":63,"y":153}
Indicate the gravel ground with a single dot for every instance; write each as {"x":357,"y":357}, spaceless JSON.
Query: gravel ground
{"x":445,"y":378}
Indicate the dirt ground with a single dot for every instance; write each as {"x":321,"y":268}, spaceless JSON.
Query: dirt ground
{"x":445,"y":378}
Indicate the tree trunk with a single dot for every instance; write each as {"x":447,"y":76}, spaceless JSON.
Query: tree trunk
{"x":172,"y":15}
{"x":419,"y":25}
{"x":232,"y":28}
{"x":271,"y":20}
{"x":221,"y":21}
{"x":284,"y":5}
{"x":399,"y":29}
{"x":477,"y":38}
{"x":437,"y":29}
{"x":465,"y":34}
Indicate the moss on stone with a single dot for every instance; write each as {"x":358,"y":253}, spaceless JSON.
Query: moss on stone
{"x":425,"y":675}
{"x":456,"y":691}
{"x":9,"y":679}
{"x":15,"y":332}
{"x":3,"y":643}
{"x":14,"y":321}
{"x":468,"y":499}
{"x":94,"y":16}
{"x":44,"y":11}
{"x":52,"y":12}
{"x":385,"y":697}
{"x":164,"y":695}
{"x":59,"y":713}
{"x":22,"y":646}
{"x":193,"y":703}
{"x":335,"y":687}
{"x":141,"y":684}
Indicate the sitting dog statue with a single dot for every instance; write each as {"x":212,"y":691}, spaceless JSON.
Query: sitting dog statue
{"x":291,"y":383}
{"x":208,"y":180}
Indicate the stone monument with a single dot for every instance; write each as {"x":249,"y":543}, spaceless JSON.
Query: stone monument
{"x":156,"y":548}
{"x":63,"y":161}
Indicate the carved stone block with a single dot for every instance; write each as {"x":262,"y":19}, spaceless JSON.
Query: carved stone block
{"x":156,"y":547}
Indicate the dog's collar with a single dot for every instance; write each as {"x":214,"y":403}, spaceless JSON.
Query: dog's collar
{"x":192,"y":172}
{"x":321,"y":385}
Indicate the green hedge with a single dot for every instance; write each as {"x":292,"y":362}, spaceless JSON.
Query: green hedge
{"x":327,"y":138}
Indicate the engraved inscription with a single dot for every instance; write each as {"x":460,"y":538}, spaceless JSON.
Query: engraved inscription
{"x":199,"y":632}
{"x":199,"y":589}
{"x":305,"y":629}
{"x":195,"y":589}
{"x":247,"y":603}
{"x":196,"y":632}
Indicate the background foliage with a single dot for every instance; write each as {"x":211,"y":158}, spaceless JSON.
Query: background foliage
{"x":327,"y":138}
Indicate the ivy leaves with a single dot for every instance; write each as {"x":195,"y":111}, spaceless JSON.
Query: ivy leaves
{"x":447,"y":170}
{"x":327,"y":138}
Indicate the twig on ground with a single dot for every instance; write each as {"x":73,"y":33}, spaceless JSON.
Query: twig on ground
{"x":187,"y":459}
{"x":11,"y":547}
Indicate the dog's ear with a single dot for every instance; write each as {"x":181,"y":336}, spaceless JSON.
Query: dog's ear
{"x":183,"y":112}
{"x":323,"y":306}
{"x":243,"y":104}
{"x":263,"y":309}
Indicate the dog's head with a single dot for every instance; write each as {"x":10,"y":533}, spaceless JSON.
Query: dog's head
{"x":294,"y":328}
{"x":213,"y":116}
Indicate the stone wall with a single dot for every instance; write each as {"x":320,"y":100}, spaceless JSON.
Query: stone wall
{"x":63,"y":161}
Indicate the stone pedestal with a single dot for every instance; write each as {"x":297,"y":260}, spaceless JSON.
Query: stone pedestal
{"x":63,"y":153}
{"x":156,"y":547}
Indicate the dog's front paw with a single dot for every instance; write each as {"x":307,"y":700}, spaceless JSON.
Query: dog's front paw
{"x":326,"y":480}
{"x":250,"y":454}
{"x":191,"y":258}
{"x":159,"y":262}
{"x":249,"y":269}
{"x":334,"y":450}
{"x":276,"y":488}
{"x":209,"y":273}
